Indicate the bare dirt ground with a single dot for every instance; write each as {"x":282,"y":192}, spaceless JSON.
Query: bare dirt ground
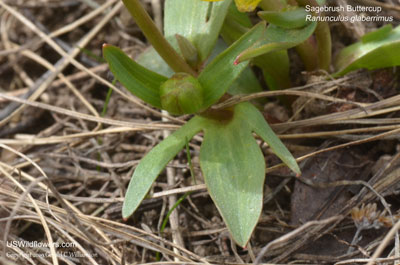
{"x":66,"y":156}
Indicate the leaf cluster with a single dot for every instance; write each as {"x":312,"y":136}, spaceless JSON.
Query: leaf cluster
{"x":206,"y":69}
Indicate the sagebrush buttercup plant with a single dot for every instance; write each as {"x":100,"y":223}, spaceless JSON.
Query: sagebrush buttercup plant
{"x":188,"y":70}
{"x":231,"y":161}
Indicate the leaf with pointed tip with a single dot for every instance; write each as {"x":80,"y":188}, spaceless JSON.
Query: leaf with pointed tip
{"x":246,"y":83}
{"x":275,"y":65}
{"x":188,"y":51}
{"x":259,"y":125}
{"x":377,"y":49}
{"x":218,"y":76}
{"x":275,"y":39}
{"x":154,"y":162}
{"x":234,"y":171}
{"x":140,"y":81}
{"x":290,"y":19}
{"x":197,"y":21}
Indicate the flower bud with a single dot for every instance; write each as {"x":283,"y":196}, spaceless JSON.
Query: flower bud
{"x":181,"y":94}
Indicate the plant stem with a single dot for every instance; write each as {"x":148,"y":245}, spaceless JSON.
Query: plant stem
{"x":307,"y":53}
{"x":107,"y":100}
{"x":323,"y":36}
{"x":324,"y":42}
{"x":160,"y":44}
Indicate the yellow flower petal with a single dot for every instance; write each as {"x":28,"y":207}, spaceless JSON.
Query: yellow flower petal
{"x":246,"y":5}
{"x":242,"y":5}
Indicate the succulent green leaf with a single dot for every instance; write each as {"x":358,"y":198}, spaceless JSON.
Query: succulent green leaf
{"x":218,"y":76}
{"x":277,"y":38}
{"x":247,"y":82}
{"x":258,"y":124}
{"x":290,"y":19}
{"x":198,"y":21}
{"x":275,"y":65}
{"x":140,"y":81}
{"x":154,"y":162}
{"x":234,"y":171}
{"x":378,"y":34}
{"x":377,"y":49}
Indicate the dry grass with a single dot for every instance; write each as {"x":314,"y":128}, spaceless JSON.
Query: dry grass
{"x":64,"y":167}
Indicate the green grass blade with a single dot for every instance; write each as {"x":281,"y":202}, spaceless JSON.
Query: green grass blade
{"x":107,"y":100}
{"x":140,"y":81}
{"x":92,"y":55}
{"x":154,"y":162}
{"x":189,"y":158}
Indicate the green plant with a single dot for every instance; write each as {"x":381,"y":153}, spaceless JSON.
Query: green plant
{"x":377,"y":49}
{"x":230,"y":158}
{"x":188,"y":70}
